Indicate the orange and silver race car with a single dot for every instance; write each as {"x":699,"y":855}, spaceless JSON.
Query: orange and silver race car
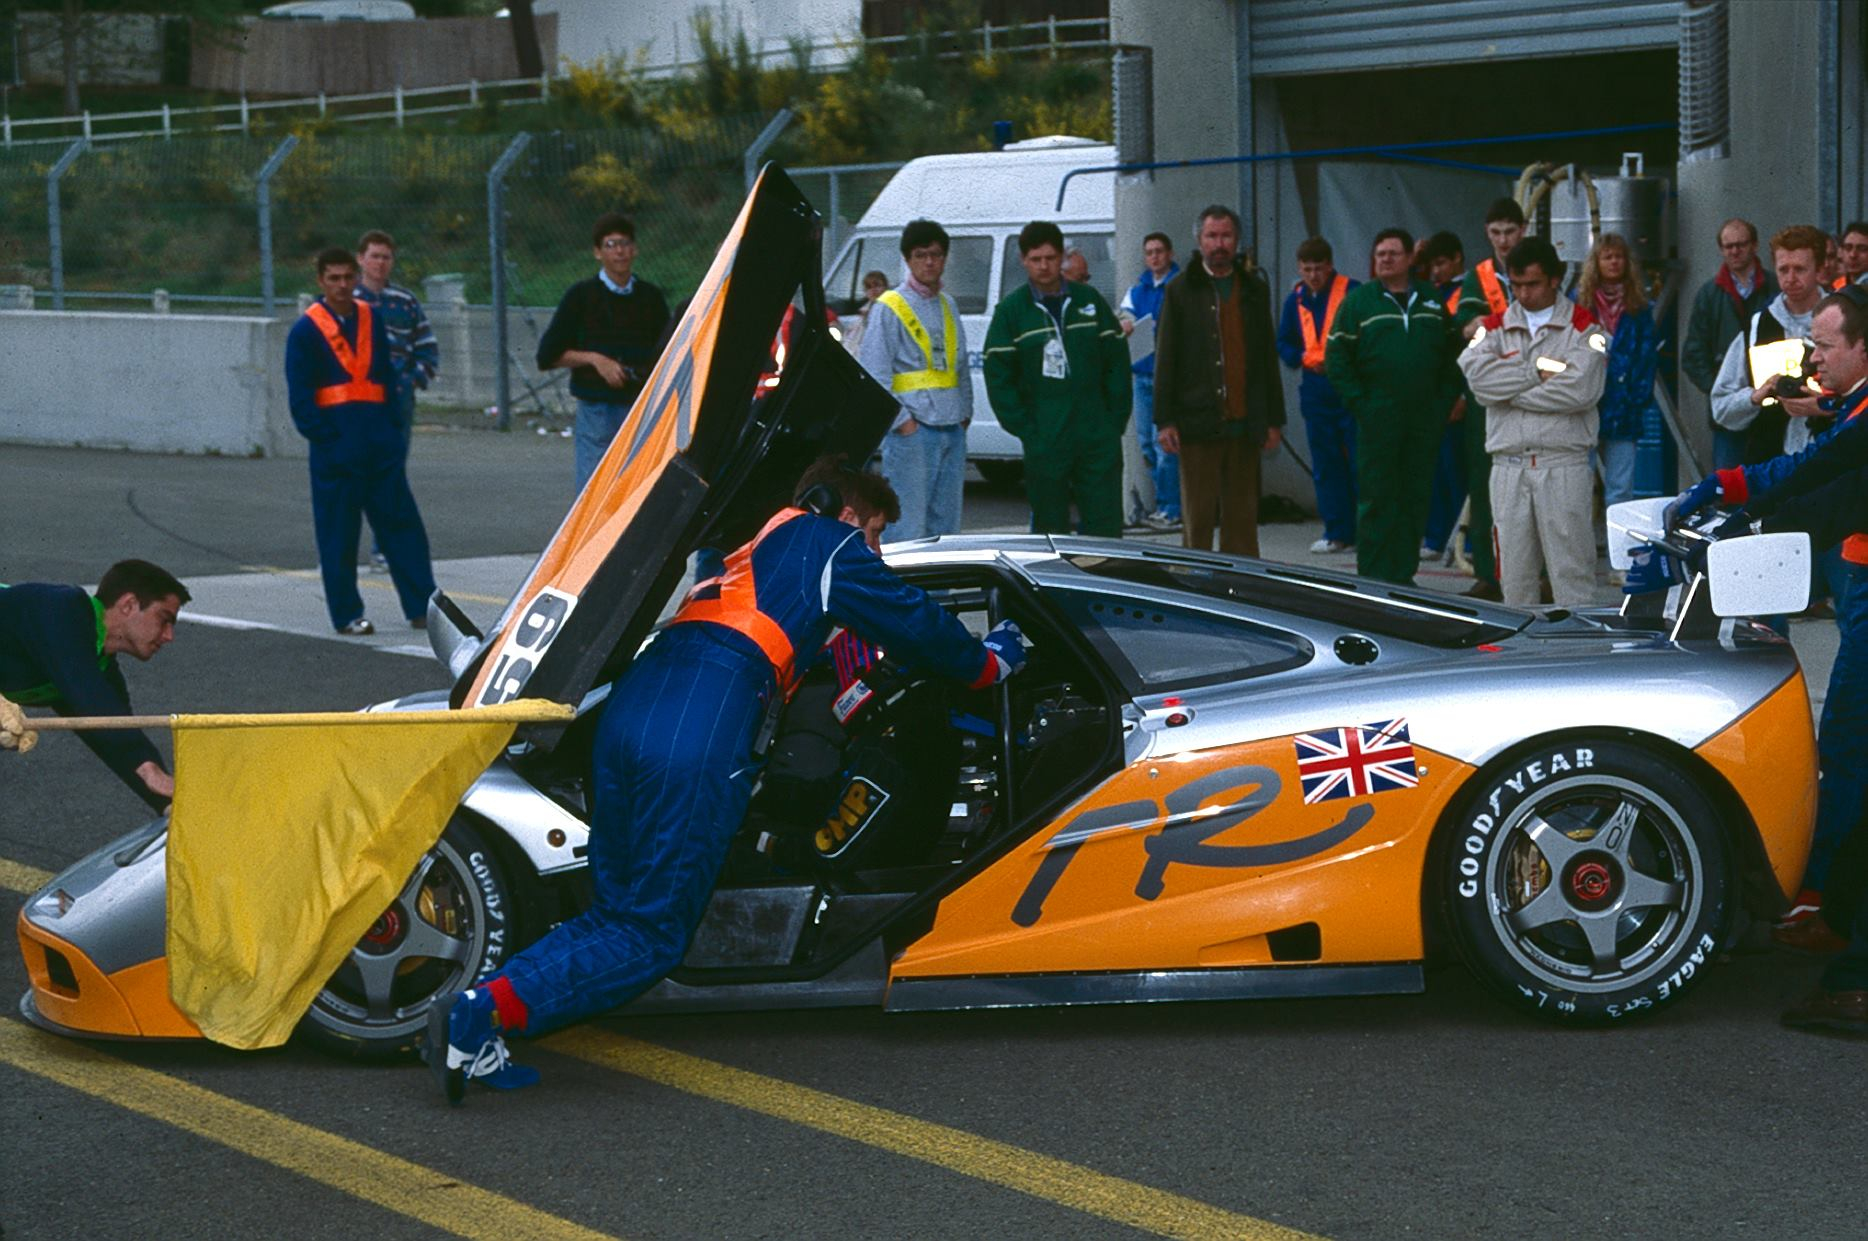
{"x":1216,"y":778}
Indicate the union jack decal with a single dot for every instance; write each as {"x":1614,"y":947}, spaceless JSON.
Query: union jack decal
{"x":1355,"y":761}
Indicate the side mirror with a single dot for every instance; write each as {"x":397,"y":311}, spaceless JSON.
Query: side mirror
{"x":1759,"y":575}
{"x":1632,"y":523}
{"x":453,"y":637}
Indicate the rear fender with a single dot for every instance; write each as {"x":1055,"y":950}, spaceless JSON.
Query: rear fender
{"x":1757,"y":884}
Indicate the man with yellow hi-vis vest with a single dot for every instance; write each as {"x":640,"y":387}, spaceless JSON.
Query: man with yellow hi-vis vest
{"x":916,"y":344}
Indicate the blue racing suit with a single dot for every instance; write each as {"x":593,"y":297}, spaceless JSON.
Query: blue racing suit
{"x":1842,"y":737}
{"x":1329,"y":427}
{"x":674,"y":764}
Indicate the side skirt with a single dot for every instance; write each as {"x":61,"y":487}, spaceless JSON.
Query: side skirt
{"x":909,"y":995}
{"x":859,"y":982}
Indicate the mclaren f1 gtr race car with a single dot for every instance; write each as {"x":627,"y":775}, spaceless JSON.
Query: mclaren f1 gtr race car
{"x":1216,"y":777}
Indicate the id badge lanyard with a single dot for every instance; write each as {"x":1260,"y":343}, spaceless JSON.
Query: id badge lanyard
{"x":1056,"y":361}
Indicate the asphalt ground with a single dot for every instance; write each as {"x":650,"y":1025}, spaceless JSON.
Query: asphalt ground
{"x":1438,"y":1115}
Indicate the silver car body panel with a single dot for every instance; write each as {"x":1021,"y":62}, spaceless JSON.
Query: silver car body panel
{"x":1470,"y":704}
{"x":112,"y":905}
{"x":511,"y":803}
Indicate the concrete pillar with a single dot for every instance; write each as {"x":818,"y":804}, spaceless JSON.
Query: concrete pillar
{"x":16,"y":297}
{"x":1196,"y":116}
{"x":1773,"y":175}
{"x":159,"y":301}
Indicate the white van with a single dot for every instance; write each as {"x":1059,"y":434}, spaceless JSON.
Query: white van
{"x":341,"y":11}
{"x":982,"y":200}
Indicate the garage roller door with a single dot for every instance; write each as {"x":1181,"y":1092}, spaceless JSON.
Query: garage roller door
{"x":1329,"y":36}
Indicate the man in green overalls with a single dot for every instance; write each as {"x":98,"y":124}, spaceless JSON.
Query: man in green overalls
{"x":1391,"y":356}
{"x":1057,"y":374}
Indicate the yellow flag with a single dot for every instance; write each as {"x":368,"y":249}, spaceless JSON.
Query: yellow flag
{"x":289,"y":836}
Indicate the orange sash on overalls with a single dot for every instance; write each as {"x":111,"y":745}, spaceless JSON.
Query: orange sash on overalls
{"x":356,"y":364}
{"x":1314,"y":340}
{"x":737,"y":607}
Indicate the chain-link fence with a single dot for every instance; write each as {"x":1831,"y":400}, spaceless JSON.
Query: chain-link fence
{"x":187,"y":217}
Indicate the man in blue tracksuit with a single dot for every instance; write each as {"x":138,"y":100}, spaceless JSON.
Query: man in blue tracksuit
{"x":1303,"y":328}
{"x":342,"y":383}
{"x":1143,"y":301}
{"x":1839,"y":331}
{"x":674,"y":759}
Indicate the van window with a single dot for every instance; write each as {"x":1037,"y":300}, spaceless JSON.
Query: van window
{"x":969,"y":267}
{"x":845,"y":282}
{"x":1098,"y":248}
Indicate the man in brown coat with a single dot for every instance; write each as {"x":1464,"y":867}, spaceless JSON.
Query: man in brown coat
{"x":1219,"y":401}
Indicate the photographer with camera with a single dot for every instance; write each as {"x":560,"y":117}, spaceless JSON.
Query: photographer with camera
{"x":1774,"y":408}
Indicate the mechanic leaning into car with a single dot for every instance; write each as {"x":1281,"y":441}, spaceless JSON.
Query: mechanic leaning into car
{"x":59,"y":648}
{"x":676,"y":752}
{"x":1799,"y":492}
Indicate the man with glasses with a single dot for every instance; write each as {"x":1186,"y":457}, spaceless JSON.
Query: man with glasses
{"x":607,"y":330}
{"x":915,"y":343}
{"x":1721,"y":309}
{"x":1390,"y":357}
{"x":1539,"y":369}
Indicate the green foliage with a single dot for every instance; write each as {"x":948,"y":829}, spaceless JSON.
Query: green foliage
{"x":181,"y":215}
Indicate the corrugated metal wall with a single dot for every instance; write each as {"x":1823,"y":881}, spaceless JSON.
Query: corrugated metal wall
{"x":1330,"y":36}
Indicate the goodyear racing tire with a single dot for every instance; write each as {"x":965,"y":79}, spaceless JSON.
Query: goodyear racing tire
{"x":452,"y":923}
{"x":1586,"y":880}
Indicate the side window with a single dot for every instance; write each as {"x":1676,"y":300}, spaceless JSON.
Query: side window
{"x":1152,"y":648}
{"x":844,"y":284}
{"x":968,"y":274}
{"x":1011,"y":271}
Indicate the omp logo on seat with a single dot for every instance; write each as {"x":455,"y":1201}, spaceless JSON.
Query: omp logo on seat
{"x":858,"y":805}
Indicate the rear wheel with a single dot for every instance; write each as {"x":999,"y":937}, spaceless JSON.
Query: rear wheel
{"x":1588,"y":881}
{"x":451,"y":925}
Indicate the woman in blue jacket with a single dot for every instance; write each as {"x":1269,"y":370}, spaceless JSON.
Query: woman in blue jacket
{"x":1610,"y":289}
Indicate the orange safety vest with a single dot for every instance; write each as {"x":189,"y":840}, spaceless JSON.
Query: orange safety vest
{"x":1314,"y":339}
{"x":356,"y":364}
{"x":1495,"y":299}
{"x":737,"y":607}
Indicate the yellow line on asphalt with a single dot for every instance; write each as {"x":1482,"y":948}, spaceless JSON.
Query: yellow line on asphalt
{"x":363,"y":583}
{"x":409,"y":1189}
{"x":22,"y":878}
{"x":1041,"y":1176}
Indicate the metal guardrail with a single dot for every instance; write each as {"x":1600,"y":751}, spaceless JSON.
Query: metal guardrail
{"x":100,"y":126}
{"x":1051,"y":37}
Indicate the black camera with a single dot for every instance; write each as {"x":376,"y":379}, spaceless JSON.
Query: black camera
{"x":1789,"y":387}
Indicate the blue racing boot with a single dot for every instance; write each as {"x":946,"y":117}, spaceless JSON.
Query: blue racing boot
{"x":464,"y":1044}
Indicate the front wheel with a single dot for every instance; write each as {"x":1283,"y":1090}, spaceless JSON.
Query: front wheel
{"x":451,"y":925}
{"x":1587,"y":881}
